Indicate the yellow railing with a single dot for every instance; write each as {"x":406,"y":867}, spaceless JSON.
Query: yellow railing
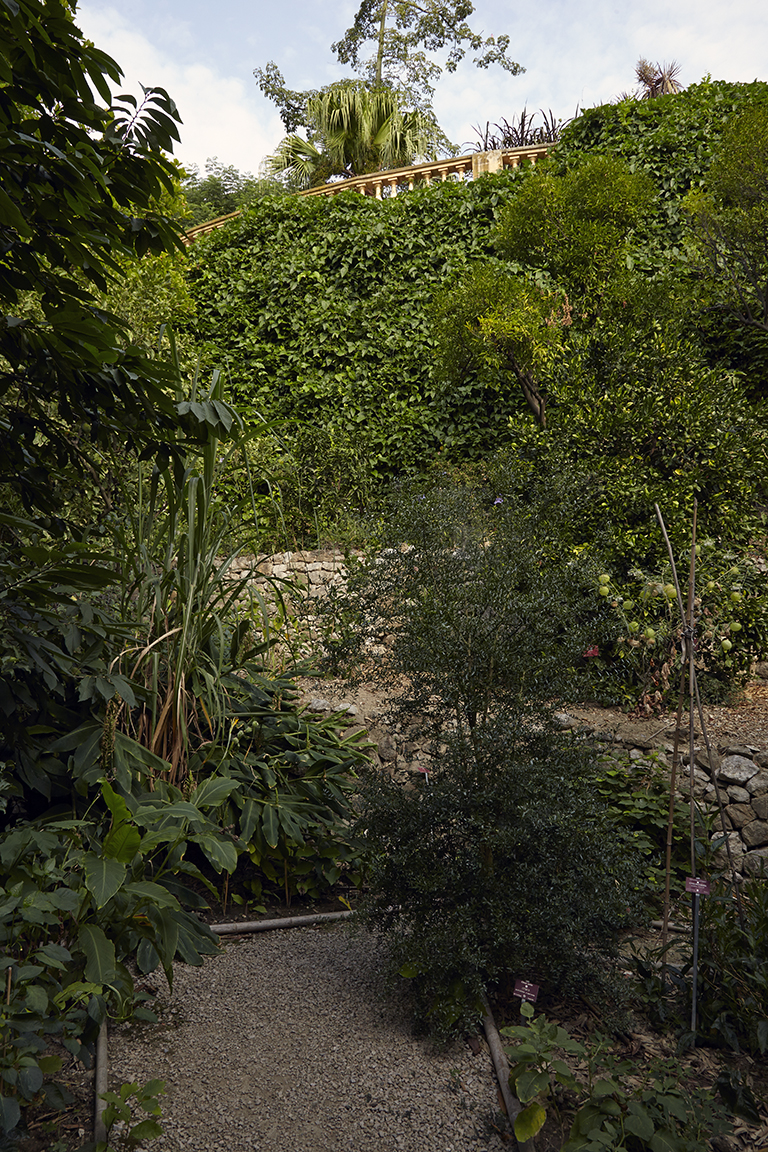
{"x":383,"y":185}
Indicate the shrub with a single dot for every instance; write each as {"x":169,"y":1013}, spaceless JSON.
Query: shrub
{"x":503,"y":863}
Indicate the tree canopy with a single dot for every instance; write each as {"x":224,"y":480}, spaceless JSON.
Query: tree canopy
{"x":406,"y":33}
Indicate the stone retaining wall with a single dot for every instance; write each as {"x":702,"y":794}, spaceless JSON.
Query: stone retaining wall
{"x":741,"y":771}
{"x":741,"y":775}
{"x":315,"y":571}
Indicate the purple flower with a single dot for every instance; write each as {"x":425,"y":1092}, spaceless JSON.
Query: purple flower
{"x":499,"y":500}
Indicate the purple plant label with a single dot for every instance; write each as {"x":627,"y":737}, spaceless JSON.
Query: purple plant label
{"x":697,"y":885}
{"x":526,"y":991}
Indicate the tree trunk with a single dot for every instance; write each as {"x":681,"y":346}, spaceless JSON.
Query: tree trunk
{"x":380,"y":53}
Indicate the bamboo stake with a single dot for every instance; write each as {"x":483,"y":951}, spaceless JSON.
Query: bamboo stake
{"x":671,"y":816}
{"x":511,"y":1103}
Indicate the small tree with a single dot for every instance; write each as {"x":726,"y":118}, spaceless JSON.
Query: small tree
{"x":497,"y":864}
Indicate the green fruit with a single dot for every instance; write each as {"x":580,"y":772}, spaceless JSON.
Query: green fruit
{"x":734,"y":626}
{"x":734,"y":572}
{"x":735,"y":597}
{"x":605,"y":578}
{"x":604,"y":590}
{"x":669,"y":591}
{"x":726,"y":645}
{"x":628,"y":605}
{"x":633,"y":626}
{"x":710,"y":585}
{"x":650,"y":633}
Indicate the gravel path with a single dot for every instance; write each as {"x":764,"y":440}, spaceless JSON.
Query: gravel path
{"x":290,"y":1041}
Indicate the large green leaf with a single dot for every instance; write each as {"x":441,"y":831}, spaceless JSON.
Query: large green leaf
{"x":529,"y":1122}
{"x":166,"y":933}
{"x":10,"y":1113}
{"x":103,"y":877}
{"x":220,"y":851}
{"x":99,"y":954}
{"x":122,"y":843}
{"x":270,"y":825}
{"x":213,"y":792}
{"x":639,"y":1122}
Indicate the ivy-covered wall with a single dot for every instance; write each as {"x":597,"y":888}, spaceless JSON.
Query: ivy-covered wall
{"x":320,"y":309}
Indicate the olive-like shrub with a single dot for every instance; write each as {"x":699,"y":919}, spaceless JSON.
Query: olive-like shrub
{"x":500,"y":860}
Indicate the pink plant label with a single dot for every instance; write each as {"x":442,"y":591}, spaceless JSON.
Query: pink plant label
{"x":526,"y":991}
{"x":697,"y":885}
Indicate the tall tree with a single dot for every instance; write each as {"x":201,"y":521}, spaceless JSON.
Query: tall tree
{"x":404,"y":33}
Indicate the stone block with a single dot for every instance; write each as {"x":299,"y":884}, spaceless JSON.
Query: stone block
{"x":740,"y":815}
{"x":758,"y":784}
{"x":755,"y":863}
{"x":738,"y":795}
{"x":701,"y":757}
{"x":755,"y":835}
{"x":736,"y":769}
{"x":737,"y":849}
{"x":739,"y":750}
{"x":760,"y":806}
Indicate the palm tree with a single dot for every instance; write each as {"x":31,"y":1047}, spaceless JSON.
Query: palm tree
{"x":353,"y":130}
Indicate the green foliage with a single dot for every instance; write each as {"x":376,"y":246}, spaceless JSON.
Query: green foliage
{"x":637,"y":799}
{"x":730,"y":221}
{"x":730,"y":611}
{"x":119,"y":1110}
{"x":98,"y":843}
{"x":223,"y":189}
{"x":470,"y":871}
{"x":732,"y":973}
{"x":351,"y":130}
{"x":733,"y":968}
{"x":318,"y":486}
{"x":643,"y":422}
{"x":616,"y":1108}
{"x":80,"y":897}
{"x":320,"y":308}
{"x":506,"y":836}
{"x":503,"y":324}
{"x":576,"y":226}
{"x":673,"y":138}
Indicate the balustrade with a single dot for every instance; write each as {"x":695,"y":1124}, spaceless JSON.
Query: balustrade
{"x":392,"y":181}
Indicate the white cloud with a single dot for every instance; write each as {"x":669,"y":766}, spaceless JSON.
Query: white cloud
{"x":575,"y":55}
{"x":221,"y":117}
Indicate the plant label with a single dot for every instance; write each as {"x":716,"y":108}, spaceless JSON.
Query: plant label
{"x":526,"y":991}
{"x":698,"y":885}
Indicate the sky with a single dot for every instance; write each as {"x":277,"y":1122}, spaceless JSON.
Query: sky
{"x":576,"y":55}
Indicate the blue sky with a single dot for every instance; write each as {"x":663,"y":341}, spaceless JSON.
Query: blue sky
{"x":575,"y":54}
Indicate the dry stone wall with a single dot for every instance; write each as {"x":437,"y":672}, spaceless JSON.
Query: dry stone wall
{"x":738,"y":778}
{"x":314,"y":572}
{"x":739,"y":772}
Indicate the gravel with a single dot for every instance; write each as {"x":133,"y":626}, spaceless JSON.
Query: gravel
{"x":292,"y":1041}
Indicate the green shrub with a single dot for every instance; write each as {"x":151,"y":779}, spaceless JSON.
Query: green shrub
{"x":503,"y":865}
{"x":504,"y":862}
